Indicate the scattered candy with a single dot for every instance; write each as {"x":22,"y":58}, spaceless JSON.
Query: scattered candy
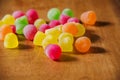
{"x":68,"y":12}
{"x":39,"y":22}
{"x":54,"y":23}
{"x":53,"y":51}
{"x":17,"y":14}
{"x":11,"y":41}
{"x":44,"y":27}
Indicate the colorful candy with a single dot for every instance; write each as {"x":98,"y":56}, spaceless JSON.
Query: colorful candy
{"x":39,"y":22}
{"x":53,"y":14}
{"x":32,"y":16}
{"x":53,"y":51}
{"x":17,"y":14}
{"x":73,"y":20}
{"x":82,"y":44}
{"x":11,"y":41}
{"x":68,"y":12}
{"x":29,"y":31}
{"x":64,"y":18}
{"x":88,"y":17}
{"x":44,"y":27}
{"x":54,"y":23}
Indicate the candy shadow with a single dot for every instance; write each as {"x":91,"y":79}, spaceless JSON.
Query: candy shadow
{"x":23,"y":46}
{"x":21,"y":37}
{"x":103,"y":23}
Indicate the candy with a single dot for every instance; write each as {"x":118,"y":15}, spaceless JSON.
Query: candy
{"x":39,"y":22}
{"x":32,"y":16}
{"x":53,"y":14}
{"x":53,"y":51}
{"x":1,"y":23}
{"x":88,"y":17}
{"x":73,"y":20}
{"x":11,"y":41}
{"x":82,"y":44}
{"x":8,"y":19}
{"x":44,"y":27}
{"x":17,"y":14}
{"x":68,"y":12}
{"x":13,"y":28}
{"x":54,"y":23}
{"x":64,"y":18}
{"x":81,"y":30}
{"x":20,"y":23}
{"x":38,"y":38}
{"x":70,"y":28}
{"x":29,"y":31}
{"x":5,"y":29}
{"x":66,"y":42}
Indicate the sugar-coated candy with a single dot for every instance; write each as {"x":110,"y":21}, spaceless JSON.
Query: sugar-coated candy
{"x":13,"y":27}
{"x":17,"y":14}
{"x":54,"y":23}
{"x":38,"y":38}
{"x":82,"y":44}
{"x":81,"y":30}
{"x":8,"y":19}
{"x":68,"y":12}
{"x":20,"y":23}
{"x":70,"y":28}
{"x":88,"y":17}
{"x":5,"y":29}
{"x":73,"y":19}
{"x":64,"y":18}
{"x":1,"y":23}
{"x":53,"y":14}
{"x":53,"y":51}
{"x":39,"y":22}
{"x":44,"y":27}
{"x":32,"y":16}
{"x":29,"y":31}
{"x":11,"y":41}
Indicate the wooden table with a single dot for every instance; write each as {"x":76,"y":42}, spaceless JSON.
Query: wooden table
{"x":102,"y":62}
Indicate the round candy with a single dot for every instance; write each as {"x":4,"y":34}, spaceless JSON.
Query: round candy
{"x":82,"y":44}
{"x":53,"y":14}
{"x":54,"y":23}
{"x":44,"y":27}
{"x":73,"y":20}
{"x":8,"y":19}
{"x":88,"y":17}
{"x":68,"y":12}
{"x":39,"y":22}
{"x":29,"y":31}
{"x":20,"y":23}
{"x":5,"y":29}
{"x":53,"y":51}
{"x":17,"y":14}
{"x":70,"y":28}
{"x":32,"y":16}
{"x":11,"y":41}
{"x":64,"y":18}
{"x":13,"y":28}
{"x":1,"y":23}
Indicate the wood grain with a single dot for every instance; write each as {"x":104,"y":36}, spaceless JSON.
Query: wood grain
{"x":102,"y":62}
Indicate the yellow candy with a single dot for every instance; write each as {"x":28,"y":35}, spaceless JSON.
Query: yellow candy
{"x":1,"y":23}
{"x":10,"y":41}
{"x":39,"y":37}
{"x":8,"y":19}
{"x":39,"y":22}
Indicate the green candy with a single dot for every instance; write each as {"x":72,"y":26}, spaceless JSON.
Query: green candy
{"x":68,"y":12}
{"x":53,"y":14}
{"x":20,"y":24}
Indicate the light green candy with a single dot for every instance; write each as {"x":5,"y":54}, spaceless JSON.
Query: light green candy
{"x":20,"y":24}
{"x":68,"y":12}
{"x":39,"y":22}
{"x":11,"y":41}
{"x":53,"y":14}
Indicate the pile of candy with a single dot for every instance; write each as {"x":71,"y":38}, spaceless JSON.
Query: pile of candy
{"x":55,"y":37}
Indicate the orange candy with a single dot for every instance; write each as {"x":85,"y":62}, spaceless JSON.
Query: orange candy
{"x":70,"y":28}
{"x":4,"y":30}
{"x":82,"y":44}
{"x":88,"y":18}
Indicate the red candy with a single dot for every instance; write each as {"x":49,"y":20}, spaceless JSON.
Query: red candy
{"x":64,"y":18}
{"x":44,"y":27}
{"x":32,"y":16}
{"x":18,"y":14}
{"x":13,"y":28}
{"x":54,"y":23}
{"x":29,"y":31}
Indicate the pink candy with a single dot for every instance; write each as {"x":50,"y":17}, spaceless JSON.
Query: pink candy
{"x":32,"y":16}
{"x":54,"y":23}
{"x":29,"y":31}
{"x":13,"y":28}
{"x":53,"y":51}
{"x":64,"y":18}
{"x":18,"y":14}
{"x":44,"y":27}
{"x":73,"y":20}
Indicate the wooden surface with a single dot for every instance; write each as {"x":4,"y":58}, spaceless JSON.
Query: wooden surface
{"x":102,"y":62}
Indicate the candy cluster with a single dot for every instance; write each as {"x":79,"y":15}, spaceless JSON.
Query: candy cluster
{"x":55,"y":37}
